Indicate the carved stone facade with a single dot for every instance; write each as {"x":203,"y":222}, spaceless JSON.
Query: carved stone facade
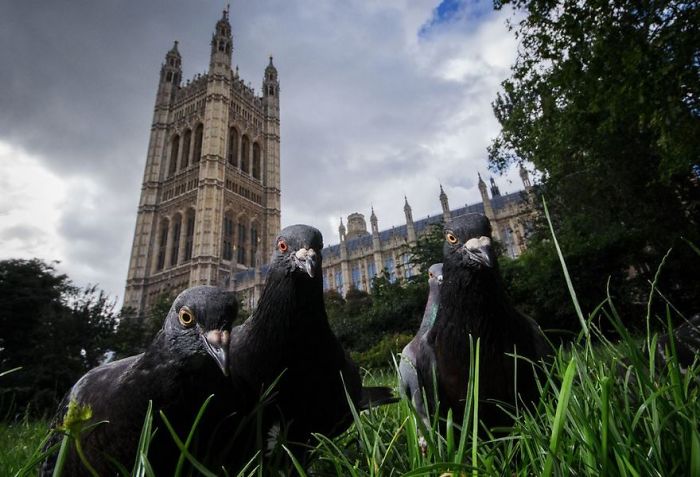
{"x":210,"y":200}
{"x":362,"y":254}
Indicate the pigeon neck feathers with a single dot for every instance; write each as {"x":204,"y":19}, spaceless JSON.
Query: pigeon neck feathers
{"x":292,"y":298}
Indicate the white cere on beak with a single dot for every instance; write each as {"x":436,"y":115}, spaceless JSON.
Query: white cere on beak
{"x":214,"y":337}
{"x":476,"y":243}
{"x":472,"y":244}
{"x":225,"y":336}
{"x":302,"y":253}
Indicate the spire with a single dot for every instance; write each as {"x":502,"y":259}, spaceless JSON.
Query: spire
{"x":407,"y":210}
{"x":221,"y":44}
{"x":374,"y":222}
{"x":446,"y":215}
{"x":170,"y":75}
{"x":341,"y":230}
{"x":410,"y":230}
{"x":483,"y":189}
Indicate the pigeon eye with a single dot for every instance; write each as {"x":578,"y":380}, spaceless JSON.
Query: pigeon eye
{"x":430,"y":275}
{"x":451,"y":238}
{"x":186,"y":317}
{"x":282,"y":245}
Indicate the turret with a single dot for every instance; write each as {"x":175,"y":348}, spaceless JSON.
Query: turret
{"x":170,"y":76}
{"x":446,"y":215}
{"x":525,"y":177}
{"x":271,"y":90}
{"x":494,"y":189}
{"x":221,"y":46}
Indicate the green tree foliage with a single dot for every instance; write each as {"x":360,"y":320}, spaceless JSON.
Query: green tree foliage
{"x":374,"y":325}
{"x":52,"y":329}
{"x":428,"y":247}
{"x":134,"y":332}
{"x":604,"y":100}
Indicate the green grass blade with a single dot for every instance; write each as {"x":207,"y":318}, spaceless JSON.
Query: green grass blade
{"x":565,"y":269}
{"x":695,"y":454}
{"x":475,"y":422}
{"x":62,"y":456}
{"x":181,"y":445}
{"x":141,"y":465}
{"x":560,"y":416}
{"x":190,"y":436}
{"x":300,"y":470}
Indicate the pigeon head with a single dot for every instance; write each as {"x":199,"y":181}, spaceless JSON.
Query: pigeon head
{"x":298,"y":250}
{"x":468,"y":242}
{"x":435,"y":274}
{"x":199,"y":323}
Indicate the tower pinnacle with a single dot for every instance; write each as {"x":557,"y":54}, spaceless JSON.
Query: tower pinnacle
{"x":221,"y":45}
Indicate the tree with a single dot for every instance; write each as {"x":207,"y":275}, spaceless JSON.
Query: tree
{"x":428,"y":247}
{"x":52,"y":329}
{"x":604,"y":100}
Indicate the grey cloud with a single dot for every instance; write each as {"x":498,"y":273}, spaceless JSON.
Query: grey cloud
{"x":358,"y":106}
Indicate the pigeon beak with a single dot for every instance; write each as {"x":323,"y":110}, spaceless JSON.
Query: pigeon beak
{"x":216,"y":343}
{"x":479,"y":250}
{"x":306,"y":260}
{"x":439,"y":279}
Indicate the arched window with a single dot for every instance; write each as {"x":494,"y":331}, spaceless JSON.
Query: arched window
{"x":175,"y":248}
{"x":233,"y":147}
{"x":186,"y":143}
{"x":174,"y":150}
{"x":189,"y":235}
{"x":227,"y":252}
{"x":245,"y":155}
{"x":241,"y":243}
{"x":162,"y":245}
{"x":253,"y":243}
{"x":197,"y":154}
{"x":256,"y":160}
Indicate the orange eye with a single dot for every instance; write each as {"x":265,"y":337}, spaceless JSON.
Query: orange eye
{"x":282,"y":246}
{"x":451,"y":238}
{"x":186,"y":316}
{"x":430,"y":275}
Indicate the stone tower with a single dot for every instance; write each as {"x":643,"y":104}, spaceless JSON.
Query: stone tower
{"x":210,"y":199}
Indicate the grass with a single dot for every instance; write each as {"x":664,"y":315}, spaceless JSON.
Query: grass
{"x":18,"y":441}
{"x":608,"y":409}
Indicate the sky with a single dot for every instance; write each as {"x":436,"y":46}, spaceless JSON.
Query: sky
{"x":380,"y":99}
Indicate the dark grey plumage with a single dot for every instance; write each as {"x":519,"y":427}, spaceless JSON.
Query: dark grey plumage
{"x":473,"y":301}
{"x":289,"y":336}
{"x":408,"y":374}
{"x":185,"y":363}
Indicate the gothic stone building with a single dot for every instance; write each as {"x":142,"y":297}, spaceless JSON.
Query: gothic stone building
{"x":210,"y":200}
{"x":362,"y":254}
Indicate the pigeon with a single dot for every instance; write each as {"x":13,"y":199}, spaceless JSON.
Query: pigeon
{"x":408,"y":375}
{"x":186,"y":362}
{"x":473,"y":302}
{"x":287,"y":343}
